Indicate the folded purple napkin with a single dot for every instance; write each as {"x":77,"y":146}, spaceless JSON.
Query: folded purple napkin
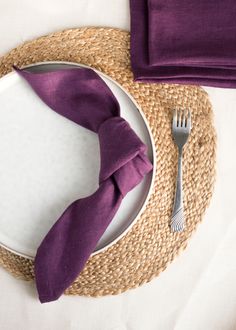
{"x":83,"y":97}
{"x":184,"y":41}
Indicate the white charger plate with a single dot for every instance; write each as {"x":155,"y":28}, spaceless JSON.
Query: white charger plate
{"x":47,"y":162}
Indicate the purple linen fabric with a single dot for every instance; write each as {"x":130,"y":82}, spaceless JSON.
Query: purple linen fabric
{"x":186,"y":42}
{"x":83,"y":97}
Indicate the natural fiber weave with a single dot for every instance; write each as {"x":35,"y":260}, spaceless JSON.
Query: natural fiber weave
{"x":149,"y":246}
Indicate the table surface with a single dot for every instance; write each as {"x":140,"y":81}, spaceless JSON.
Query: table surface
{"x":198,"y":290}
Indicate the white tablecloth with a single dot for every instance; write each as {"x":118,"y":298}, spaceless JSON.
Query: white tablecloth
{"x":197,"y":291}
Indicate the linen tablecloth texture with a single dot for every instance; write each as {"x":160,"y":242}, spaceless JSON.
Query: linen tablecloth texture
{"x":83,"y":97}
{"x":184,"y":41}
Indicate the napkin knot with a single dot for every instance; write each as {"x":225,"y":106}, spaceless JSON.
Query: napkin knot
{"x":122,"y":154}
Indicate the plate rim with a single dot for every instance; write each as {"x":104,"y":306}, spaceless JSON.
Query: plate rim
{"x":151,"y":186}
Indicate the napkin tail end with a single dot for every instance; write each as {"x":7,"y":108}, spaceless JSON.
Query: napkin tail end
{"x":48,"y":298}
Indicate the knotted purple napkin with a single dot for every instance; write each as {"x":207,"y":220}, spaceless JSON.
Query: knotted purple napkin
{"x":83,"y":97}
{"x":184,"y":41}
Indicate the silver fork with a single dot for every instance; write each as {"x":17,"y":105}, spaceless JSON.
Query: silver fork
{"x":181,"y":127}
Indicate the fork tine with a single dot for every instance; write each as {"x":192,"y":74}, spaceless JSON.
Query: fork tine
{"x":188,"y":125}
{"x":175,"y":118}
{"x":178,"y":118}
{"x":181,"y":114}
{"x":184,"y":118}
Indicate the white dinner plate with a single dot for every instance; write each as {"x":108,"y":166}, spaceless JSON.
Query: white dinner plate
{"x":47,"y":162}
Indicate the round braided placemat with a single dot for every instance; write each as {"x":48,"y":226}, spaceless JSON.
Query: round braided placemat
{"x":149,"y":246}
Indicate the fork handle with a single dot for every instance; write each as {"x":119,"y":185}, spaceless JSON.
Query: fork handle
{"x":177,"y":218}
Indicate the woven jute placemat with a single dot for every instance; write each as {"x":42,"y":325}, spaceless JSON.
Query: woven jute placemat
{"x":150,"y":246}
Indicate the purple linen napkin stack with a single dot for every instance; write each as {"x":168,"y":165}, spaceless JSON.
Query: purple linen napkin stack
{"x":184,"y":41}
